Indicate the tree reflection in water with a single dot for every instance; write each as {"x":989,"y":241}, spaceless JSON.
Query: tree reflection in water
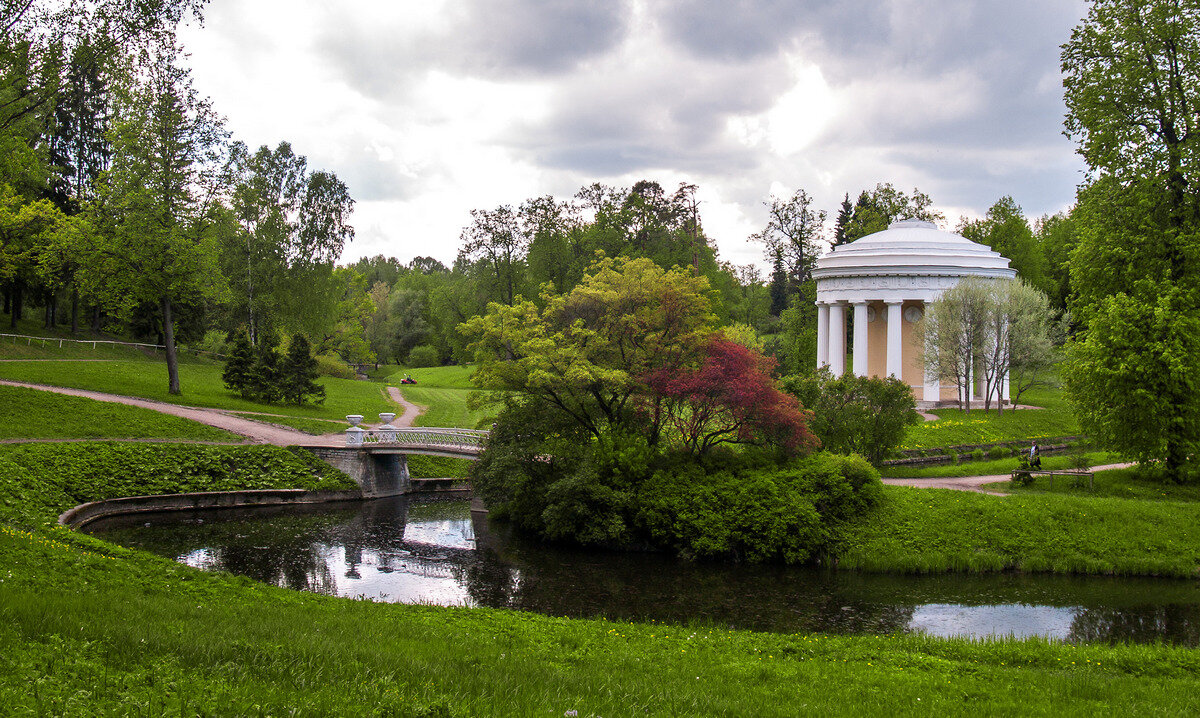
{"x":435,"y":551}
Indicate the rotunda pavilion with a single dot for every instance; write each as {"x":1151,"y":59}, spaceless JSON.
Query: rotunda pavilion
{"x":886,"y":279}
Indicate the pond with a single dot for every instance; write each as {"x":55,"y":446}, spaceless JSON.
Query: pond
{"x":434,"y":551}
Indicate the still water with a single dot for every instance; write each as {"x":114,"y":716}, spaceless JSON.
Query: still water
{"x":434,"y":551}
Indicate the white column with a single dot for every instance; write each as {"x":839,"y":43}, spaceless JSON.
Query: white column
{"x":860,"y":338}
{"x":837,"y":338}
{"x":1004,"y":388}
{"x":932,"y":391}
{"x":895,"y":341}
{"x":822,"y":335}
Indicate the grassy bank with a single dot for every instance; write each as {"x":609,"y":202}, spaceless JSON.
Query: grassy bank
{"x":91,"y":628}
{"x":918,"y":530}
{"x":201,"y":383}
{"x":33,"y":414}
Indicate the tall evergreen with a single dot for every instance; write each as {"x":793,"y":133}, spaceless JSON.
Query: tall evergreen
{"x":845,"y":213}
{"x":265,"y":374}
{"x":779,"y":286}
{"x":239,"y":365}
{"x":298,"y":374}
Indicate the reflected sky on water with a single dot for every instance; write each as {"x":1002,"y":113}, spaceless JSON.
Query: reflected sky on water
{"x":434,"y":551}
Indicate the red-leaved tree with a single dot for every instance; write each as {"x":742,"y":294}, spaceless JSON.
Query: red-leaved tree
{"x":730,"y":398}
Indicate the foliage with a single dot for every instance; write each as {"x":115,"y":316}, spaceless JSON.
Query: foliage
{"x":983,"y":332}
{"x":265,"y":380}
{"x":855,"y":414}
{"x":423,"y":356}
{"x":1132,"y":378}
{"x":729,"y":399}
{"x":793,"y":236}
{"x":584,"y":355}
{"x":876,"y":209}
{"x":239,"y":366}
{"x":297,"y":379}
{"x":1131,"y":93}
{"x":1005,"y":230}
{"x":328,"y":365}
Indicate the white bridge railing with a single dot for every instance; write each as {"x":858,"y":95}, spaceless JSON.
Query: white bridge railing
{"x":424,"y":437}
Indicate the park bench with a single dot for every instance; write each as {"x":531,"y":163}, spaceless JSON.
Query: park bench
{"x":1077,"y":474}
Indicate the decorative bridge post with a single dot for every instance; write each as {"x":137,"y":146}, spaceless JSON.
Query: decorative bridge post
{"x":354,"y":435}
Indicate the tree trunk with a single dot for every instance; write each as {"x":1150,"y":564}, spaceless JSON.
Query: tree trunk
{"x":169,"y":341}
{"x":74,"y":311}
{"x":96,"y":318}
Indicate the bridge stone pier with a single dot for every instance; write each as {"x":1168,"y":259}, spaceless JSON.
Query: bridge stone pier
{"x":377,"y":459}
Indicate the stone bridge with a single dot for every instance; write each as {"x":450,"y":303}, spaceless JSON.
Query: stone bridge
{"x":377,"y":459}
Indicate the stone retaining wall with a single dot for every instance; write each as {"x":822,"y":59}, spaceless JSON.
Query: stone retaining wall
{"x":86,"y":513}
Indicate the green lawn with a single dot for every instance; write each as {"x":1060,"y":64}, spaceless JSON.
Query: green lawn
{"x":990,"y":466}
{"x":94,"y":629}
{"x":917,"y":530}
{"x":955,"y":427}
{"x":316,"y":427}
{"x":445,"y":407}
{"x":1120,"y":483}
{"x":201,"y":384}
{"x":33,"y":414}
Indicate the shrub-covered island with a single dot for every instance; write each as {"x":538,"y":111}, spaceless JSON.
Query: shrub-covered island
{"x":628,"y":422}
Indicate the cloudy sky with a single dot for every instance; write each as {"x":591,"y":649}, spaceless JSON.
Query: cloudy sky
{"x":430,"y":108}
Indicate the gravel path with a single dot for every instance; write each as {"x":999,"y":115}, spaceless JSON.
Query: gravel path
{"x":411,"y":410}
{"x":256,"y":431}
{"x":973,"y":483}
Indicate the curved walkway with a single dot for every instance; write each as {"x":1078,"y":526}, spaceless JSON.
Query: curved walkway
{"x":973,"y":483}
{"x":411,"y":410}
{"x":256,"y":431}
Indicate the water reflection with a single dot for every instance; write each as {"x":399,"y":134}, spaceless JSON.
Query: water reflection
{"x":434,"y":552}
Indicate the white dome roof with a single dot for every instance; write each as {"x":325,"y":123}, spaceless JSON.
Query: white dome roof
{"x":912,"y":247}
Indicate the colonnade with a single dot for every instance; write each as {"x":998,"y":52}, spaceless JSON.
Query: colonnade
{"x":831,"y":334}
{"x":831,"y":347}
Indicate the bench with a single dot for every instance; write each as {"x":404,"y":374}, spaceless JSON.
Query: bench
{"x":1077,"y":473}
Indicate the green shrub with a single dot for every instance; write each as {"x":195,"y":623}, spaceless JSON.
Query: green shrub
{"x":213,"y":341}
{"x":423,"y":356}
{"x":953,"y":455}
{"x":855,"y":414}
{"x":977,"y":454}
{"x":330,"y":365}
{"x":997,"y":452}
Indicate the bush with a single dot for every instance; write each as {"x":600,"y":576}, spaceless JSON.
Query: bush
{"x":953,"y":456}
{"x":855,"y":414}
{"x":997,"y":452}
{"x":977,"y":455}
{"x":757,"y":513}
{"x":330,"y":365}
{"x":423,"y":356}
{"x":213,"y":341}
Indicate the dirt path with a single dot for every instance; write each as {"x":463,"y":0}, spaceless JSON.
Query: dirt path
{"x":973,"y":483}
{"x":411,"y":410}
{"x":257,"y":432}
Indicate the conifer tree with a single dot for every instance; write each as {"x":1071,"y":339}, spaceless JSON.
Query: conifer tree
{"x":298,"y":374}
{"x":265,"y":374}
{"x":239,"y":365}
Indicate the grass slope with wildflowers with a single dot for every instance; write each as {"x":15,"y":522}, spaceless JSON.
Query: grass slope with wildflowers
{"x":92,"y":628}
{"x":954,"y":427}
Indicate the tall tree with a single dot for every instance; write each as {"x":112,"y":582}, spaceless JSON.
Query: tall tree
{"x":794,"y":233}
{"x":1006,"y":230}
{"x":294,"y":225}
{"x":876,"y":209}
{"x":1132,"y":78}
{"x":153,"y":219}
{"x":496,"y":241}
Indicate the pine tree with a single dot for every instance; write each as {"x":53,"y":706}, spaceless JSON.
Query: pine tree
{"x":239,"y":365}
{"x":265,"y":374}
{"x":845,"y":214}
{"x":778,"y":287}
{"x":298,"y":373}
